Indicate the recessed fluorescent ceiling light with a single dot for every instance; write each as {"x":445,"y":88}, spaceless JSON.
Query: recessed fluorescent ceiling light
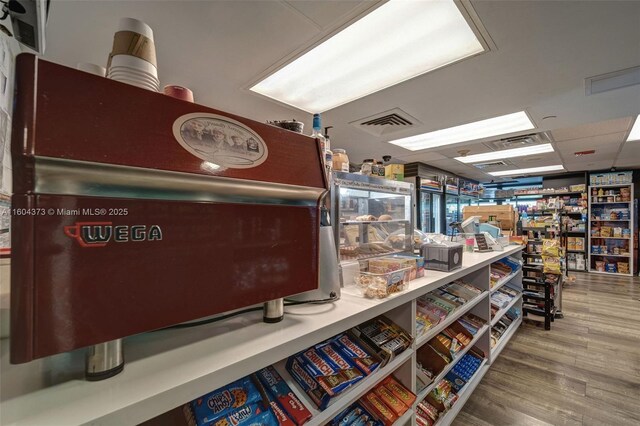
{"x":397,"y":41}
{"x":635,"y":131}
{"x":528,"y":171}
{"x":507,"y":153}
{"x":495,"y":126}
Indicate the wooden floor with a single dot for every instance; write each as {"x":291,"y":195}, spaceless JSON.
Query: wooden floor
{"x":584,"y":371}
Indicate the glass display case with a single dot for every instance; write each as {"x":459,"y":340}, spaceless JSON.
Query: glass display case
{"x":371,"y":216}
{"x":452,"y":208}
{"x":430,"y":203}
{"x":452,"y":212}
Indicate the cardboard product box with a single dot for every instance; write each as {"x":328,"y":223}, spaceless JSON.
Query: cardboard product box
{"x":571,"y":243}
{"x":394,"y":172}
{"x":504,"y":214}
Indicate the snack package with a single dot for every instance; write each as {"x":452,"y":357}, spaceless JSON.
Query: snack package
{"x":348,"y":416}
{"x":279,"y":413}
{"x":391,"y":400}
{"x":401,"y":392}
{"x":378,"y":408}
{"x":383,"y":335}
{"x":550,"y":248}
{"x":280,"y":391}
{"x":223,"y":401}
{"x":317,"y":376}
{"x":457,"y":383}
{"x":348,"y":345}
{"x":248,"y":415}
{"x":551,"y":265}
{"x":421,"y":421}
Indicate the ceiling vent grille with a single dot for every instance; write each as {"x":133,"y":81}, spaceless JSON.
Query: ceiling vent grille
{"x":386,"y":122}
{"x":389,"y":119}
{"x":519,"y":141}
{"x":491,"y":164}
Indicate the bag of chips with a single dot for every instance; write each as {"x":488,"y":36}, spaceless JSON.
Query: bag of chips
{"x":550,"y":247}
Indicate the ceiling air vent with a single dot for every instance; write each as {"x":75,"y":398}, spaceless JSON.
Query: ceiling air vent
{"x":519,"y":141}
{"x":491,"y":164}
{"x":386,"y":122}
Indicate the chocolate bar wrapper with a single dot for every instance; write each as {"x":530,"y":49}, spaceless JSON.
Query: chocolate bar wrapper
{"x":277,"y":410}
{"x":279,"y":390}
{"x":457,"y":382}
{"x":348,"y":416}
{"x":421,"y":421}
{"x":335,"y":356}
{"x":391,"y":400}
{"x":332,"y":378}
{"x":401,"y":392}
{"x":366,"y":420}
{"x":225,"y":400}
{"x":379,"y":409}
{"x":319,"y":388}
{"x":365,"y":361}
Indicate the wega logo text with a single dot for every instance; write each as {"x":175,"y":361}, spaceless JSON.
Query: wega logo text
{"x":99,"y":234}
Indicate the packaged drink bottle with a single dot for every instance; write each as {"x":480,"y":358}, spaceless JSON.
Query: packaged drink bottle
{"x":317,"y":133}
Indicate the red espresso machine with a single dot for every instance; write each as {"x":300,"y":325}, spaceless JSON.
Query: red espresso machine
{"x":134,"y":211}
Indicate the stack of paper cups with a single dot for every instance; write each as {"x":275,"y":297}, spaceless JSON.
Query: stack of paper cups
{"x":92,"y":68}
{"x":133,"y":57}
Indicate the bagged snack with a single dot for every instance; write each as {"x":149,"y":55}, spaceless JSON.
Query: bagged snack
{"x":221,"y":402}
{"x":550,"y":247}
{"x":551,"y":265}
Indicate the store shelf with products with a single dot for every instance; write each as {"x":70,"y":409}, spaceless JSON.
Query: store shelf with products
{"x":454,"y":316}
{"x":448,"y":417}
{"x":422,"y":393}
{"x":504,"y":339}
{"x":166,"y":369}
{"x":609,"y":238}
{"x":506,"y":280}
{"x":611,"y":227}
{"x":339,"y":403}
{"x":609,"y":202}
{"x":498,"y":316}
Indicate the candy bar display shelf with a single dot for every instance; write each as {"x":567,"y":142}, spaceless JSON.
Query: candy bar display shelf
{"x":166,"y":369}
{"x":603,"y":214}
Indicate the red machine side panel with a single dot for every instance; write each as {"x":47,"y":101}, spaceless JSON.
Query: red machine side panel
{"x":202,"y":259}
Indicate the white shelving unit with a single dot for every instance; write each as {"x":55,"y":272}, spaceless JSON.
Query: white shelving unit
{"x":168,"y":368}
{"x":624,"y":223}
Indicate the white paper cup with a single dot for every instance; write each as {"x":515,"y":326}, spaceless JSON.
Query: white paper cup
{"x":136,"y":26}
{"x":128,"y":70}
{"x":134,"y":76}
{"x":137,"y":84}
{"x":135,"y":63}
{"x":92,"y":68}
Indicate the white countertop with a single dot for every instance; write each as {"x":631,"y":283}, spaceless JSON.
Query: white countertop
{"x":168,"y":368}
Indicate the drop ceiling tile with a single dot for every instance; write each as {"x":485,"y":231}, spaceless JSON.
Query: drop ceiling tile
{"x":601,"y":143}
{"x":476,"y":148}
{"x":591,"y":165}
{"x":423,"y":158}
{"x":536,"y":160}
{"x":592,"y":129}
{"x":630,"y":155}
{"x":324,"y":13}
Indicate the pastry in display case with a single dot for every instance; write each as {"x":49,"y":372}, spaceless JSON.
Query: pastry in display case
{"x":371,"y":216}
{"x":373,"y":225}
